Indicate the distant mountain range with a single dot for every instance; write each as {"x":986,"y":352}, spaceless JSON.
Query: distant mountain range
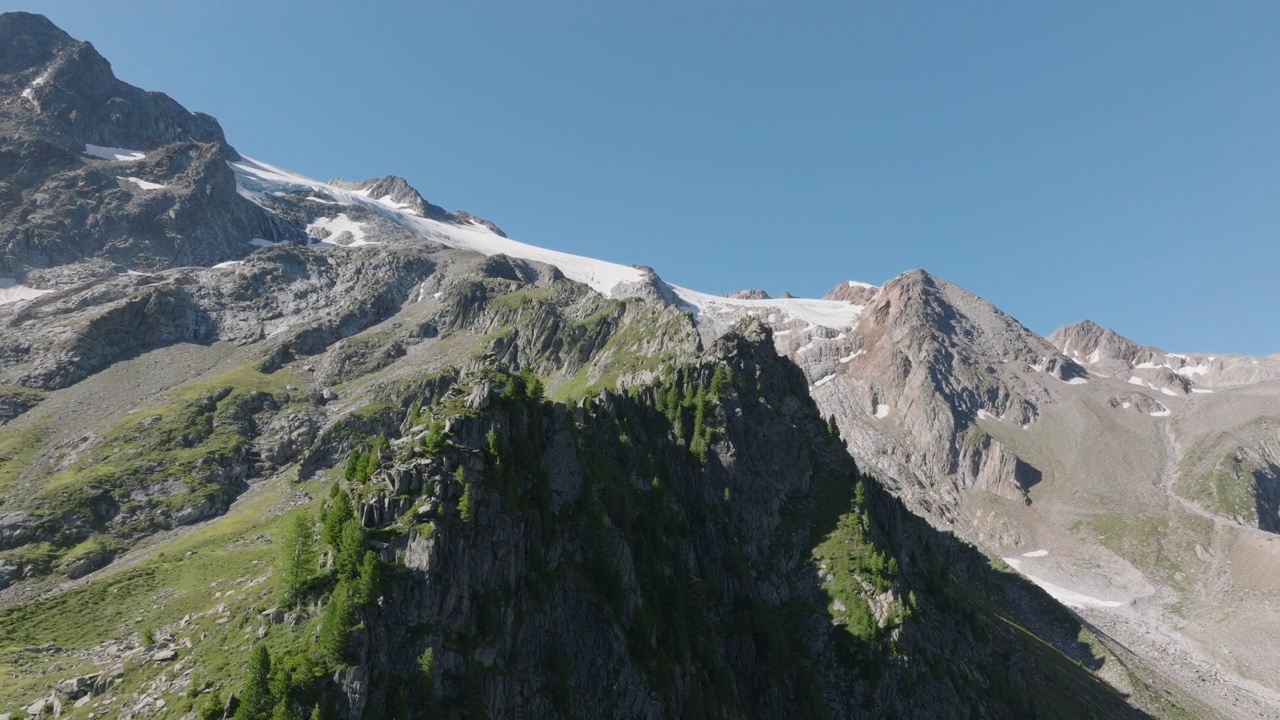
{"x":545,"y":485}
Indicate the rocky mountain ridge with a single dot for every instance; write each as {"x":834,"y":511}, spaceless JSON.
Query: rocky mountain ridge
{"x":206,"y":327}
{"x":1084,"y":450}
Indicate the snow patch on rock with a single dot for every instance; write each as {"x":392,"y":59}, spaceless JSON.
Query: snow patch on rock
{"x":1193,"y":370}
{"x":1063,"y":595}
{"x":335,"y":227}
{"x":111,"y":153}
{"x":145,"y":185}
{"x":11,"y":291}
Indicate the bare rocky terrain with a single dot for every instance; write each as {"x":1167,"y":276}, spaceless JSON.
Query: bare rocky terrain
{"x":1137,"y":485}
{"x":197,"y":347}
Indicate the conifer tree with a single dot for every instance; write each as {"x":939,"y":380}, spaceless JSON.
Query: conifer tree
{"x":427,"y":666}
{"x":337,"y":515}
{"x":212,"y":707}
{"x":255,"y":699}
{"x":284,"y":711}
{"x":297,"y":558}
{"x":336,"y":623}
{"x":434,"y":442}
{"x":465,"y":510}
{"x":351,"y":547}
{"x":367,"y":583}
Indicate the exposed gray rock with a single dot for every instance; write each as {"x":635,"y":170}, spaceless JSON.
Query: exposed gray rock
{"x":309,"y":297}
{"x":908,"y":382}
{"x":397,"y":192}
{"x":87,"y":563}
{"x":1106,"y":351}
{"x":16,"y":400}
{"x":75,"y":687}
{"x":748,"y":295}
{"x":462,"y":217}
{"x":17,"y":528}
{"x":60,"y":206}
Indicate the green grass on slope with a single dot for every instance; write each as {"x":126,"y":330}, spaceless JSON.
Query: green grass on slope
{"x":1155,"y":544}
{"x":189,"y":426}
{"x":623,"y":355}
{"x":186,"y":447}
{"x":17,"y":448}
{"x":225,"y":561}
{"x":1227,"y":489}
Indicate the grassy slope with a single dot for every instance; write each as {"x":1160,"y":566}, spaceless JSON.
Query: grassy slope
{"x":220,"y":568}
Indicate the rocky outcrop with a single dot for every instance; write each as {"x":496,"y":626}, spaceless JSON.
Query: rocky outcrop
{"x":1137,"y":402}
{"x":15,"y":400}
{"x":854,"y":292}
{"x":157,"y":192}
{"x":748,"y":295}
{"x":69,"y":93}
{"x":462,"y":217}
{"x":909,"y":384}
{"x":396,"y":191}
{"x":1236,"y":474}
{"x":1105,"y":351}
{"x":306,"y":299}
{"x":987,"y":464}
{"x":1086,"y":341}
{"x":549,"y":572}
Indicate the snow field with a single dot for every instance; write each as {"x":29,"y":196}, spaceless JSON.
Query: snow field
{"x":256,"y":179}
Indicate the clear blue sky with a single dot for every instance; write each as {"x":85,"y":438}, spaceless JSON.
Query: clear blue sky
{"x":1117,"y":161}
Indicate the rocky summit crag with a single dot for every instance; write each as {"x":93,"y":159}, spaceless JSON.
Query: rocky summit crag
{"x":271,"y":446}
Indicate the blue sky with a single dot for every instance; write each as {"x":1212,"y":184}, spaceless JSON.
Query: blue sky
{"x":1116,"y":161}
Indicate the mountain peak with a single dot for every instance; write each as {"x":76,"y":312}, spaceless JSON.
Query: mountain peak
{"x":1082,"y":327}
{"x":28,"y":40}
{"x":396,"y":191}
{"x":68,"y":94}
{"x":1089,"y":342}
{"x":463,"y":217}
{"x":852,"y":291}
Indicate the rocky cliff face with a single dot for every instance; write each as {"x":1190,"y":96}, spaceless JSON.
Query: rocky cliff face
{"x":103,"y":176}
{"x":69,"y":94}
{"x":910,"y":380}
{"x":1022,"y":444}
{"x":607,"y":561}
{"x":199,"y":345}
{"x":1106,"y":352}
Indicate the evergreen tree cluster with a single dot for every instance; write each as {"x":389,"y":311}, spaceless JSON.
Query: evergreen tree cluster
{"x":272,"y":690}
{"x":687,"y":404}
{"x":434,"y":442}
{"x":515,"y":460}
{"x":362,"y":463}
{"x":357,"y":576}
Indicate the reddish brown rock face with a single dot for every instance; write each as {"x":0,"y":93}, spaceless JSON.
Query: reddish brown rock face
{"x":852,"y":292}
